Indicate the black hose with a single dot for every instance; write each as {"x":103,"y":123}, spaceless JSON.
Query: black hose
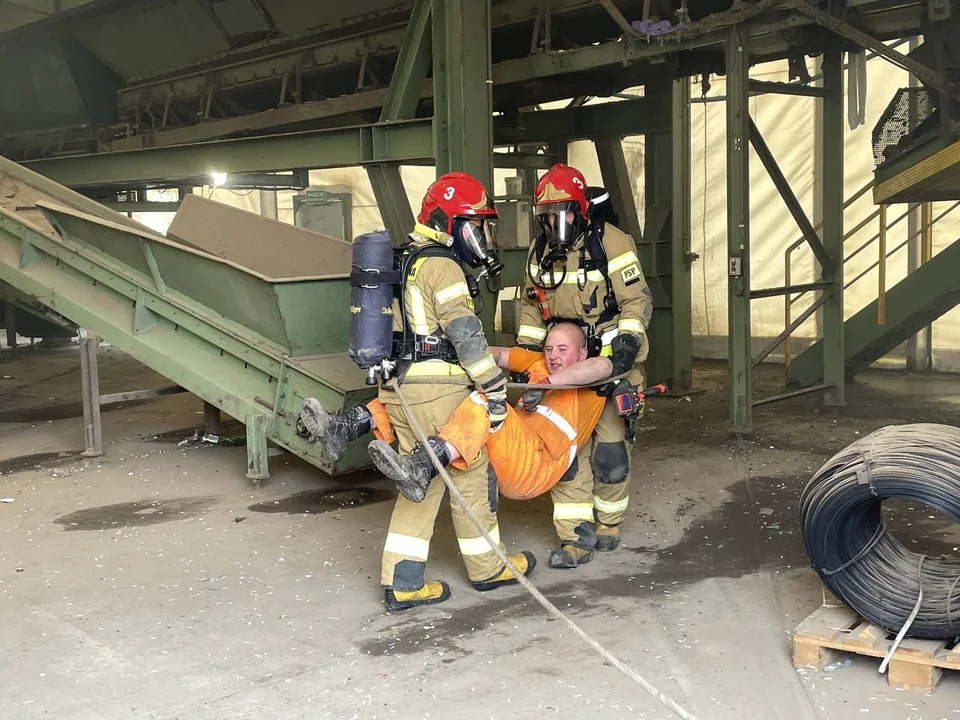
{"x":858,"y":560}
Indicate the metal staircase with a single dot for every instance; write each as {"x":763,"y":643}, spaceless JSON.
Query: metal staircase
{"x":899,"y":312}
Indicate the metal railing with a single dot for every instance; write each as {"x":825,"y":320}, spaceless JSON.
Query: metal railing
{"x":925,"y":231}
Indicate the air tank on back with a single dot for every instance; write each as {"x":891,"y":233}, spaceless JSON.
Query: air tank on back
{"x":372,"y":283}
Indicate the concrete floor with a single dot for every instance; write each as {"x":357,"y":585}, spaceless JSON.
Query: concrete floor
{"x":156,"y":582}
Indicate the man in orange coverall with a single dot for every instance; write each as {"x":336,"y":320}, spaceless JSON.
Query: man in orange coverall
{"x":536,"y":449}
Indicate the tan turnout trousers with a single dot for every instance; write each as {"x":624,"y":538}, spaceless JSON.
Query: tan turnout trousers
{"x":411,"y":525}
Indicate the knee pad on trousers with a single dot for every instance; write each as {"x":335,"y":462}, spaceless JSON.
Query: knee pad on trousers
{"x":493,"y":489}
{"x":572,"y":471}
{"x":611,"y":464}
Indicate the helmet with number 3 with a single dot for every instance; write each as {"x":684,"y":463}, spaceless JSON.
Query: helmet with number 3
{"x":459,"y":206}
{"x":561,"y":205}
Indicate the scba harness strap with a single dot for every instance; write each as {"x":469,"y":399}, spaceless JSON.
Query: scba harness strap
{"x":593,"y":257}
{"x":424,"y":347}
{"x":410,"y":347}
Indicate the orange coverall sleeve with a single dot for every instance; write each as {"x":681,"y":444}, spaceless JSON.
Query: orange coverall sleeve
{"x":521,"y":360}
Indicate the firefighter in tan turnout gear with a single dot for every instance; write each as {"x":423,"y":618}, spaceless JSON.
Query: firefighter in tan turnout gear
{"x":440,"y":357}
{"x":585,"y":271}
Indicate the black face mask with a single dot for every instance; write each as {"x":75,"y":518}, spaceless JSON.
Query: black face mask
{"x":562,"y":223}
{"x":474,"y":242}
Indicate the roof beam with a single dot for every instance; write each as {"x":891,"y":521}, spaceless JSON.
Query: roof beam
{"x":588,"y":122}
{"x":398,"y":142}
{"x":335,"y":46}
{"x":404,"y":142}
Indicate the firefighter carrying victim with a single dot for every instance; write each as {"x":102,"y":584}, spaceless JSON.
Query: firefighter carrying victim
{"x":413,"y":318}
{"x":530,"y":453}
{"x":584,"y":270}
{"x":585,"y":293}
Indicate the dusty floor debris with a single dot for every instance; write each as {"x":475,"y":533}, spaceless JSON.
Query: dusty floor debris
{"x":156,"y":582}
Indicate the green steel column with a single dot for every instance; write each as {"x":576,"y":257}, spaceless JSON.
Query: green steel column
{"x":392,"y":200}
{"x":833,"y":130}
{"x":738,"y":228}
{"x":10,"y":323}
{"x":462,"y":88}
{"x":90,"y":387}
{"x":681,"y":367}
{"x":529,"y":175}
{"x":654,"y":246}
{"x":617,"y":181}
{"x":664,"y":247}
{"x":463,"y":104}
{"x":401,"y":104}
{"x":561,"y":150}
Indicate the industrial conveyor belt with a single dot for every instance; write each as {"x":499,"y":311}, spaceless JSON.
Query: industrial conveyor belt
{"x":249,"y":344}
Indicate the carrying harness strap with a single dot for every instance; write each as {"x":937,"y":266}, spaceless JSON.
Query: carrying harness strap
{"x":410,"y":347}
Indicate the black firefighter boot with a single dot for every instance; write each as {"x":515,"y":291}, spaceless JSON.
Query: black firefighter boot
{"x":334,"y":431}
{"x":412,"y":473}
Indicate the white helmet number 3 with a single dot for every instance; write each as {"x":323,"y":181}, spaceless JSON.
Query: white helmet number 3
{"x":576,"y":181}
{"x":448,"y":193}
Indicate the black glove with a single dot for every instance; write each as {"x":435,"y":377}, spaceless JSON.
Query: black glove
{"x":605,"y":390}
{"x":533,"y":397}
{"x":625,"y":349}
{"x":497,"y":407}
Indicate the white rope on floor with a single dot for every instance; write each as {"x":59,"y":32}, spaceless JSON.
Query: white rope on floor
{"x":524,"y":582}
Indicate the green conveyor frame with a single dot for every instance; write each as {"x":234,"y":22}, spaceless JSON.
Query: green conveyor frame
{"x":251,"y":345}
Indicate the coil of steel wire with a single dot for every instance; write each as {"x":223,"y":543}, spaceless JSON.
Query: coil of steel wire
{"x":863,"y":564}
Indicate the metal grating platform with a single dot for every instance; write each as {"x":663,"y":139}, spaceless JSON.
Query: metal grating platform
{"x":908,"y":118}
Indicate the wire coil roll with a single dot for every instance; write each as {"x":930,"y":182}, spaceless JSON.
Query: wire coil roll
{"x":858,"y":560}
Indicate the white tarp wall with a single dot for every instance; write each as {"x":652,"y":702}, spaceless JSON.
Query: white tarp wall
{"x":787,"y":124}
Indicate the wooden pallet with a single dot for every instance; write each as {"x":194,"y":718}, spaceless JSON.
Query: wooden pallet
{"x":916,"y":665}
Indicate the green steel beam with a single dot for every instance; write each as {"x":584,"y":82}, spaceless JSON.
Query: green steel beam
{"x":407,"y":143}
{"x":658,"y":186}
{"x":737,"y":53}
{"x":643,"y":116}
{"x":143,"y":206}
{"x":628,"y":51}
{"x":258,"y":122}
{"x":397,"y":142}
{"x":463,"y":100}
{"x":412,"y":65}
{"x":787,"y":195}
{"x":392,"y":200}
{"x":404,"y":141}
{"x":342,"y":42}
{"x":832,"y":199}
